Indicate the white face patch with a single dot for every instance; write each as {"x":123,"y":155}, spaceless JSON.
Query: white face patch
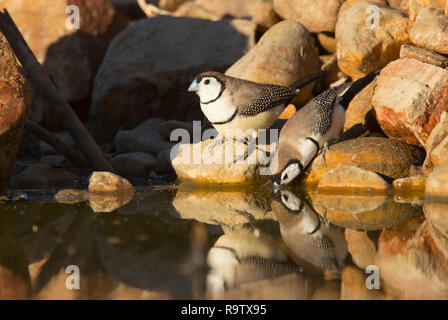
{"x":209,"y":89}
{"x":290,"y":173}
{"x":290,"y":200}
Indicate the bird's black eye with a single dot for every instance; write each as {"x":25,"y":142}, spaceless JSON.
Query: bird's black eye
{"x":207,"y":81}
{"x":286,"y":198}
{"x":285,"y":176}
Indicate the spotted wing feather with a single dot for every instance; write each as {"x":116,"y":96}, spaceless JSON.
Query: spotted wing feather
{"x":270,"y":96}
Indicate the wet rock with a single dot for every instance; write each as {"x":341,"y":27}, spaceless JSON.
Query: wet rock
{"x":260,"y":11}
{"x":15,"y":100}
{"x":134,"y":164}
{"x":423,"y":55}
{"x":429,"y":30}
{"x":388,"y":157}
{"x":142,"y":75}
{"x":363,"y":212}
{"x":71,"y":196}
{"x":359,"y":107}
{"x":363,"y":49}
{"x":144,"y":138}
{"x":223,"y":163}
{"x":410,"y":183}
{"x":315,"y":15}
{"x":437,"y":218}
{"x":412,"y":267}
{"x":193,"y":10}
{"x":354,"y":286}
{"x":225,"y":208}
{"x":361,"y":247}
{"x":71,"y":56}
{"x":409,"y":99}
{"x":284,"y":54}
{"x":101,"y":203}
{"x":44,"y":175}
{"x":436,"y":184}
{"x":415,"y":6}
{"x":327,"y":41}
{"x":351,"y":177}
{"x":103,"y":181}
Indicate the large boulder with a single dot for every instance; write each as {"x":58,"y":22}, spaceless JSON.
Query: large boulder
{"x":148,"y":66}
{"x":409,"y":99}
{"x":423,"y":55}
{"x":315,"y":15}
{"x":284,"y":54}
{"x":436,"y":184}
{"x":71,"y":56}
{"x":429,"y":30}
{"x":363,"y":48}
{"x":415,"y":6}
{"x":15,"y":100}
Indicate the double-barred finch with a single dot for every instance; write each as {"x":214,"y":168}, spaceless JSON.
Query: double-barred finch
{"x":312,"y":129}
{"x":235,"y":106}
{"x":321,"y":246}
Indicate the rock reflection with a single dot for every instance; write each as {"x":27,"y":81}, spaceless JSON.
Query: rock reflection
{"x":312,"y":242}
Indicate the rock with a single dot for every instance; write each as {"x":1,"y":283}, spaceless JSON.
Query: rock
{"x":284,"y":54}
{"x":350,"y":3}
{"x":169,"y":5}
{"x":327,"y":41}
{"x":227,"y":208}
{"x":144,"y":138}
{"x":165,"y":129}
{"x":412,"y":267}
{"x":71,"y":56}
{"x":437,"y":136}
{"x":436,"y":184}
{"x":359,"y":107}
{"x":163,"y":163}
{"x":387,"y":157}
{"x":261,"y":11}
{"x":429,"y":30}
{"x":129,"y":8}
{"x":363,"y":212}
{"x":101,"y":203}
{"x":223,"y":164}
{"x":64,"y":136}
{"x":439,"y":155}
{"x":315,"y":15}
{"x":44,"y":175}
{"x":142,"y":75}
{"x":361,"y":247}
{"x":134,"y":164}
{"x":437,"y":218}
{"x":193,"y":10}
{"x":330,"y":65}
{"x":415,"y":6}
{"x":423,"y":55}
{"x":363,"y":49}
{"x":402,"y":5}
{"x":354,"y":286}
{"x":103,"y":181}
{"x":409,"y":99}
{"x":351,"y":177}
{"x":15,"y":100}
{"x":71,"y":196}
{"x":410,"y":183}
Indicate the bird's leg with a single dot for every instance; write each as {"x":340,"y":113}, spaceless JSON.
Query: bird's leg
{"x":250,"y":142}
{"x":219,"y":140}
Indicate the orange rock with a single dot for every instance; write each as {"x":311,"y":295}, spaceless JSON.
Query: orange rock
{"x":289,"y":111}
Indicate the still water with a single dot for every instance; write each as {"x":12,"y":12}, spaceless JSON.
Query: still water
{"x":185,"y":242}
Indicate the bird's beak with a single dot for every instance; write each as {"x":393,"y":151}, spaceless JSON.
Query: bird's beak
{"x":193,"y":86}
{"x":276,"y":186}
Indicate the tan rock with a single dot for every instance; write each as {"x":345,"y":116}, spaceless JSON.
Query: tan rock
{"x":261,"y":11}
{"x":436,"y":213}
{"x":315,"y":15}
{"x":439,"y":155}
{"x":71,"y":56}
{"x":410,"y":183}
{"x":402,"y":5}
{"x":223,"y":163}
{"x":193,"y":10}
{"x":423,"y":55}
{"x":327,"y":41}
{"x":385,"y":156}
{"x":361,"y":48}
{"x":429,"y":30}
{"x":361,"y":248}
{"x":350,"y":3}
{"x":284,"y":54}
{"x":101,"y":203}
{"x":436,"y":184}
{"x":354,"y":286}
{"x":71,"y":196}
{"x":142,"y":75}
{"x":351,"y":177}
{"x":102,"y":181}
{"x":415,"y":6}
{"x":409,"y":99}
{"x":438,"y":134}
{"x":15,"y":101}
{"x":359,"y":107}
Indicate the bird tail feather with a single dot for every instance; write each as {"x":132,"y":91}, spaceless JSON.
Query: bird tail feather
{"x":299,"y":84}
{"x":355,"y":88}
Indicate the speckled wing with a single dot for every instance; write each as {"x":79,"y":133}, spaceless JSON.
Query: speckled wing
{"x":325,"y":104}
{"x":266,"y":97}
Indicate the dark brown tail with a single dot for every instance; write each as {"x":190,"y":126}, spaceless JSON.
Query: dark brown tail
{"x":299,"y":84}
